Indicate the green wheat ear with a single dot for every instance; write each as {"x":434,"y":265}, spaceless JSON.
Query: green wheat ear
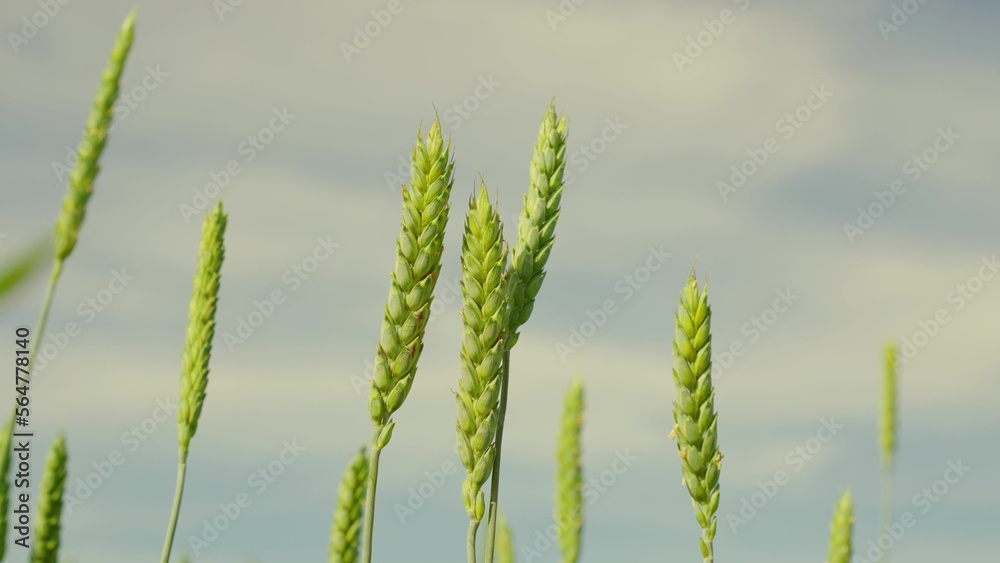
{"x":345,"y":534}
{"x":201,"y":327}
{"x":841,"y":530}
{"x":48,"y":523}
{"x":887,"y":435}
{"x":536,"y":229}
{"x":484,"y":322}
{"x":418,"y":264}
{"x":81,"y":179}
{"x":197,"y":352}
{"x":695,"y":419}
{"x":569,"y":482}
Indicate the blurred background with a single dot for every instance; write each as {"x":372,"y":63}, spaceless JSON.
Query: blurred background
{"x":830,"y":166}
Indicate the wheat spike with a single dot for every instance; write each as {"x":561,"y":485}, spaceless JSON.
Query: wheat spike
{"x":81,"y":178}
{"x":537,"y":223}
{"x":418,"y":264}
{"x":569,"y":481}
{"x":695,"y":419}
{"x":48,"y":523}
{"x":484,"y":315}
{"x":5,"y":457}
{"x":201,"y":327}
{"x":345,"y":534}
{"x":841,"y":530}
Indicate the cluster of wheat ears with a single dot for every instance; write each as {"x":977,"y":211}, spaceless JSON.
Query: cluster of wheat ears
{"x":500,"y":283}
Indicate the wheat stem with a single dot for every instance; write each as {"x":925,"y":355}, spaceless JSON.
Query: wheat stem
{"x":5,"y":458}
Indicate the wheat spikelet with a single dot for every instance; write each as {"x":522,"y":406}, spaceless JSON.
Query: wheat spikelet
{"x":418,"y":263}
{"x":537,"y":223}
{"x":201,"y":327}
{"x":569,"y":481}
{"x":841,"y":530}
{"x":345,"y":534}
{"x":81,"y":178}
{"x":484,"y":315}
{"x":50,"y":504}
{"x":695,"y":419}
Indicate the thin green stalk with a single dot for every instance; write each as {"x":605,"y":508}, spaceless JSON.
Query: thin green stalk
{"x":366,"y":547}
{"x":5,"y":457}
{"x":174,"y":511}
{"x":491,"y":528}
{"x":470,"y":540}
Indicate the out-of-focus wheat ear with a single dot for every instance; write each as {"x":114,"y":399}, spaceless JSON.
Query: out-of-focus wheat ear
{"x":888,"y":419}
{"x":536,"y":229}
{"x":695,"y":418}
{"x":841,"y":530}
{"x":48,"y":522}
{"x":5,"y":457}
{"x":345,"y":534}
{"x":95,"y":133}
{"x":505,"y":541}
{"x":888,"y":437}
{"x":197,"y":352}
{"x":569,"y":478}
{"x":201,"y":327}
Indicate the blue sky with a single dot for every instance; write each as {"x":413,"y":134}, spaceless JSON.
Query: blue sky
{"x":652,"y":136}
